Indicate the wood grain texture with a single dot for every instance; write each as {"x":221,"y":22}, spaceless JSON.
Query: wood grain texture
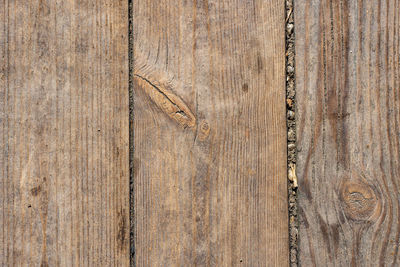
{"x":347,"y":78}
{"x":64,"y":172}
{"x":210,"y":134}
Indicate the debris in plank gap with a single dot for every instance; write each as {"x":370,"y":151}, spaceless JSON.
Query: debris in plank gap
{"x":292,"y":174}
{"x":291,"y":133}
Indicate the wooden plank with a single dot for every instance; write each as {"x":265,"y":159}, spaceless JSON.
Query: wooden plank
{"x":209,"y":133}
{"x":64,"y":133}
{"x":347,"y":58}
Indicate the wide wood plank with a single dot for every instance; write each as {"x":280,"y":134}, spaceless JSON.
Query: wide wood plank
{"x":64,"y":173}
{"x":348,"y":92}
{"x":209,"y":133}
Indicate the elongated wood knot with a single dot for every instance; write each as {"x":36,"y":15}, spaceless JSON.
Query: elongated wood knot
{"x":160,"y":89}
{"x":360,"y":199}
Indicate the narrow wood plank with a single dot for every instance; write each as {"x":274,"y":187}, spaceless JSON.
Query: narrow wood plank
{"x":210,"y":133}
{"x":347,"y":58}
{"x":64,"y":133}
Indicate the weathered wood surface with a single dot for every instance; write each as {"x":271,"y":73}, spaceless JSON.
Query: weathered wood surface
{"x":347,"y":71}
{"x":64,"y":133}
{"x":210,"y":133}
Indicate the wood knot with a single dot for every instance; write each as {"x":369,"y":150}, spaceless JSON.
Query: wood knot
{"x":160,"y":88}
{"x":360,"y":200}
{"x":36,"y":190}
{"x":204,"y":130}
{"x":205,"y":127}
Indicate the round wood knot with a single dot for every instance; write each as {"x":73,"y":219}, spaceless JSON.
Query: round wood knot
{"x":360,"y":200}
{"x":205,"y":127}
{"x":204,"y":130}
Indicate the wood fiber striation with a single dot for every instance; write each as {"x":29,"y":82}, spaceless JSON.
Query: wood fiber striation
{"x":348,"y":165}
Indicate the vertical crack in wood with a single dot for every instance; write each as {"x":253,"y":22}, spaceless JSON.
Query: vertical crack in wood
{"x":131,"y":138}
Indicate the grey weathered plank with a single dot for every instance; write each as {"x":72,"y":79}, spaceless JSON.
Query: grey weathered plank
{"x":347,"y":78}
{"x":64,"y":133}
{"x":210,"y":135}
